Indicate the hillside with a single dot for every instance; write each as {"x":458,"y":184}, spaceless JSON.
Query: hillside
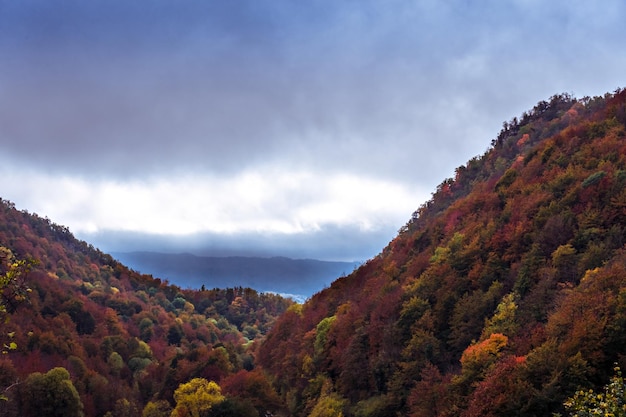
{"x":502,"y":295}
{"x":298,"y":277}
{"x":122,"y":341}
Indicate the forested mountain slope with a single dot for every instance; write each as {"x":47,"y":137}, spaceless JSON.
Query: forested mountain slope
{"x":501,"y":296}
{"x":92,"y":337}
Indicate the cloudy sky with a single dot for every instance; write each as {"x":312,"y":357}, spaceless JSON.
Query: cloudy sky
{"x":284,"y":127}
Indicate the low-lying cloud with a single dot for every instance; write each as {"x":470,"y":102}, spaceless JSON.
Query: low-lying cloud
{"x":268,"y":210}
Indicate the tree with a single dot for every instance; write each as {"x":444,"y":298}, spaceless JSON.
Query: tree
{"x":503,"y":321}
{"x":159,"y":408}
{"x":13,"y":291}
{"x":51,"y":394}
{"x":503,"y":392}
{"x":329,"y":405}
{"x":124,"y":408}
{"x":8,"y":378}
{"x":115,"y":362}
{"x":478,"y":358}
{"x":235,"y":407}
{"x":255,"y":388}
{"x":174,"y":335}
{"x":195,"y":397}
{"x":13,"y":288}
{"x":612,"y":402}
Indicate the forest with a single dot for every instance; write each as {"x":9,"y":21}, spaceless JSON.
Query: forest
{"x":85,"y":335}
{"x":503,"y":295}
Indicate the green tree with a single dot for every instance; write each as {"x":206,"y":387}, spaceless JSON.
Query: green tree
{"x":115,"y":362}
{"x":611,"y":402}
{"x":321,"y":334}
{"x":503,"y":321}
{"x":329,"y":404}
{"x":51,"y":394}
{"x":196,"y":397}
{"x":174,"y":335}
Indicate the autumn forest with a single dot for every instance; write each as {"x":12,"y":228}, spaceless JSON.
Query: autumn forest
{"x":503,"y":295}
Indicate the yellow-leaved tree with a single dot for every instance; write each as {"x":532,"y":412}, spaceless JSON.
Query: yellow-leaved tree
{"x":611,"y":402}
{"x":196,"y":397}
{"x":13,"y":291}
{"x":13,"y":288}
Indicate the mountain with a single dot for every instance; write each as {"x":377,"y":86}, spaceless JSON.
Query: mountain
{"x":300,"y":278}
{"x":502,"y":295}
{"x":82,"y":334}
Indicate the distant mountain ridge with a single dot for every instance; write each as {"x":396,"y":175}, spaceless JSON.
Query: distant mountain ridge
{"x":298,"y":277}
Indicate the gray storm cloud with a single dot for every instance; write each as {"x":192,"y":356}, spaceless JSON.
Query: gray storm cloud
{"x":129,"y":88}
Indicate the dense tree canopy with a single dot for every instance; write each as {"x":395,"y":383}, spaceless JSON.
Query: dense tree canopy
{"x":126,"y":339}
{"x":51,"y":394}
{"x":610,"y":402}
{"x":503,"y":295}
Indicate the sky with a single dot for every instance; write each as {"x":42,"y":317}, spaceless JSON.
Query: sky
{"x":309,"y":129}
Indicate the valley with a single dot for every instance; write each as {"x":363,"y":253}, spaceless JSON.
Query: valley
{"x":504,"y":294}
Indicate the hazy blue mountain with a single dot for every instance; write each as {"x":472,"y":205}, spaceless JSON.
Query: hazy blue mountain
{"x":298,"y":277}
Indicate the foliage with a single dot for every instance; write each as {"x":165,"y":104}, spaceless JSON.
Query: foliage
{"x":159,"y":408}
{"x":503,"y":320}
{"x":330,"y":404}
{"x":611,"y":402}
{"x":254,"y":388}
{"x":593,"y":179}
{"x":484,"y":353}
{"x":50,"y":394}
{"x":109,"y":325}
{"x":196,"y":397}
{"x":501,"y":295}
{"x":13,"y":291}
{"x":13,"y":286}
